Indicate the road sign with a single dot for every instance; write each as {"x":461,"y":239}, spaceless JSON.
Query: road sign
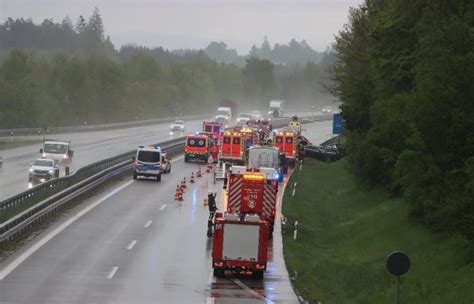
{"x":398,"y":263}
{"x":337,"y":123}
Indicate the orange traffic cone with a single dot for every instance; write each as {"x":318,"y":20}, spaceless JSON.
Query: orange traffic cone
{"x":199,"y":174}
{"x":184,"y":182}
{"x":208,"y":169}
{"x":192,"y":178}
{"x":180,"y":197}
{"x":178,"y":193}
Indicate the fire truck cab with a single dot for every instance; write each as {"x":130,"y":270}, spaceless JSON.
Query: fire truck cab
{"x":198,"y":147}
{"x":240,"y":244}
{"x":286,"y":141}
{"x":232,"y":147}
{"x":251,"y":135}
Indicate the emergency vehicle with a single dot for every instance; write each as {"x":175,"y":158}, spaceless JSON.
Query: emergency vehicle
{"x":295,"y":126}
{"x":150,"y":162}
{"x":264,"y":128}
{"x":286,"y":140}
{"x":232,"y":148}
{"x":252,"y":191}
{"x":213,"y":127}
{"x":198,"y":147}
{"x":240,"y":244}
{"x":251,"y":136}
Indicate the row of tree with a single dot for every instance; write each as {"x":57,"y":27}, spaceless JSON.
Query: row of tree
{"x":71,"y":90}
{"x":404,"y":73}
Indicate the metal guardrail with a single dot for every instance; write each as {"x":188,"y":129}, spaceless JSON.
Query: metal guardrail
{"x":82,"y":128}
{"x":77,"y":184}
{"x":50,"y":197}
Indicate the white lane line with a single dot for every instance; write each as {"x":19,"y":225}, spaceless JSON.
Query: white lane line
{"x":176,"y":159}
{"x":212,"y":278}
{"x":162,"y":207}
{"x":210,"y":300}
{"x":112,"y":272}
{"x":21,"y":258}
{"x":251,"y":291}
{"x":148,"y":223}
{"x":132,"y":243}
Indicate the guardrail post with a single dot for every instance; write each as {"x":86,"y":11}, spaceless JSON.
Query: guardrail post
{"x":66,"y":171}
{"x":295,"y":230}
{"x":294,"y":189}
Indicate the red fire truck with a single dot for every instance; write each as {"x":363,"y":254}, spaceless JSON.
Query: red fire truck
{"x":198,"y":147}
{"x":253,"y":192}
{"x":232,"y":148}
{"x":286,"y":141}
{"x":251,"y":135}
{"x":263,"y":126}
{"x":240,"y":244}
{"x":213,"y":127}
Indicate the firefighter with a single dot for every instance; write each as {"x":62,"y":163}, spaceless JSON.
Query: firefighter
{"x":283,"y":163}
{"x":300,"y":149}
{"x":211,"y":198}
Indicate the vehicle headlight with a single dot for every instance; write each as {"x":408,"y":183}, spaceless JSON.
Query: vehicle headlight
{"x":31,"y":170}
{"x":51,"y":171}
{"x":44,"y":154}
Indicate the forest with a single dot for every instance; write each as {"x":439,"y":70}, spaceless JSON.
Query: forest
{"x":60,"y":74}
{"x":403,"y":73}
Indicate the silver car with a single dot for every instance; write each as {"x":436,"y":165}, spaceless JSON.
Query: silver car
{"x":177,"y":125}
{"x":43,"y":169}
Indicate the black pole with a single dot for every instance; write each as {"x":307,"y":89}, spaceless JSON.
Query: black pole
{"x":398,"y":289}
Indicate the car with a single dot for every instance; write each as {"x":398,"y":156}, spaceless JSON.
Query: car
{"x":177,"y":125}
{"x":43,"y":169}
{"x":256,"y":115}
{"x":243,"y":119}
{"x":326,"y":109}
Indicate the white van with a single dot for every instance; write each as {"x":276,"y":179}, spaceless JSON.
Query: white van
{"x":224,"y":112}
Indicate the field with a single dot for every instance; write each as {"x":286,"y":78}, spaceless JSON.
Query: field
{"x":345,"y":234}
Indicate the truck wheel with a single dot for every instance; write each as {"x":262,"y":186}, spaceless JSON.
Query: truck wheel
{"x":30,"y":179}
{"x":186,"y":159}
{"x":257,"y":275}
{"x":219,"y":273}
{"x":134,"y":175}
{"x":158,"y":178}
{"x":169,"y":170}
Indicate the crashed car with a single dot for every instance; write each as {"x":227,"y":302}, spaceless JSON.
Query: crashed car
{"x":329,"y":153}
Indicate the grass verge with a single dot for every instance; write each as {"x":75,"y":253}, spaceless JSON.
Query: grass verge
{"x":345,"y":234}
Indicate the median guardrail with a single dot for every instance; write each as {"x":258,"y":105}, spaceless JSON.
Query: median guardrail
{"x":84,"y":128}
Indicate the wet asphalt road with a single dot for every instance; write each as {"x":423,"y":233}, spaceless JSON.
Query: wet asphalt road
{"x":135,"y":244}
{"x":88,"y":148}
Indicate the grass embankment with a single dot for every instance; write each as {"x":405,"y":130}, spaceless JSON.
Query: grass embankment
{"x":345,"y":234}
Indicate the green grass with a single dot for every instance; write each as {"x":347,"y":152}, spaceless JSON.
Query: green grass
{"x":345,"y":234}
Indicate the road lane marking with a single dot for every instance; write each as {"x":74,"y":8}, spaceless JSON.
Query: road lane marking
{"x":148,"y":223}
{"x":210,"y":300}
{"x":21,"y":258}
{"x":250,"y":290}
{"x":162,"y":207}
{"x":112,"y":272}
{"x":212,"y":278}
{"x":132,"y":243}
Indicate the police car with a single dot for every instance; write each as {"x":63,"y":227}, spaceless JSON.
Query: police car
{"x":150,"y":162}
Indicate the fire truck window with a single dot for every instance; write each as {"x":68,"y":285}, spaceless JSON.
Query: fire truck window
{"x":289,"y":140}
{"x":279,"y":139}
{"x":192,"y":142}
{"x":216,"y":129}
{"x":208,"y":129}
{"x":236,"y":140}
{"x":226,"y":140}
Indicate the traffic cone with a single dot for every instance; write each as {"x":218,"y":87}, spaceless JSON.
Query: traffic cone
{"x":192,"y":178}
{"x":184,"y":182}
{"x":205,"y":202}
{"x":180,"y":197}
{"x":177,"y":194}
{"x":199,"y":174}
{"x":208,"y":169}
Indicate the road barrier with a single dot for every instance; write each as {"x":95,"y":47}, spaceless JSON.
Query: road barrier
{"x":22,"y":211}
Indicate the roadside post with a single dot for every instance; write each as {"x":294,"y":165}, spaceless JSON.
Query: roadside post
{"x":295,"y":230}
{"x":398,"y":264}
{"x":294,"y":189}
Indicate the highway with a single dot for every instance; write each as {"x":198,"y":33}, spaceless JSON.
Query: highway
{"x":88,"y":147}
{"x":134,"y":244}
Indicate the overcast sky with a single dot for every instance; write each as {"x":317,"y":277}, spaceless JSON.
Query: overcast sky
{"x":194,"y":23}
